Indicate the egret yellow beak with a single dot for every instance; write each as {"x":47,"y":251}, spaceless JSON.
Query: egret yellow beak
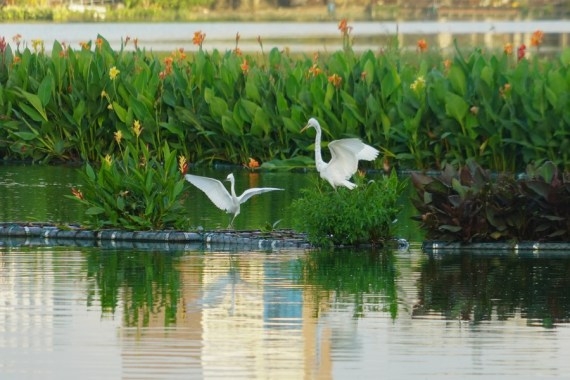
{"x":305,"y":128}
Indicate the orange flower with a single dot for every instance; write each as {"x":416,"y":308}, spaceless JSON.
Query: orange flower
{"x":77,"y":193}
{"x":422,"y":45}
{"x":180,"y":54}
{"x":99,"y":42}
{"x":335,"y":80}
{"x":198,"y":38}
{"x":85,"y":45}
{"x":237,"y":51}
{"x":244,"y":66}
{"x":315,"y":70}
{"x":536,"y":38}
{"x":168,"y":65}
{"x":252,"y":164}
{"x":508,"y":48}
{"x":182,"y":164}
{"x":447,"y":64}
{"x":344,"y":27}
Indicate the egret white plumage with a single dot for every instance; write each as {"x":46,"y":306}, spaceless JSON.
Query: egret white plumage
{"x":219,"y":195}
{"x":345,"y":154}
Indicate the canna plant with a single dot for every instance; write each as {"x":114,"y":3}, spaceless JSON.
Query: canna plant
{"x":424,"y":110}
{"x":134,"y":190}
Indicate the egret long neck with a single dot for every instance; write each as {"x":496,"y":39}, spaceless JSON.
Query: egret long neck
{"x":318,"y":157}
{"x":233,"y":188}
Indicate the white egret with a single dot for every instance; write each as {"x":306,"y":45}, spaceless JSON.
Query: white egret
{"x":220,"y":196}
{"x":345,"y":154}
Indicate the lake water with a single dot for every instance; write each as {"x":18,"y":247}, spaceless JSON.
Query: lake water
{"x":93,"y":313}
{"x":297,"y":37}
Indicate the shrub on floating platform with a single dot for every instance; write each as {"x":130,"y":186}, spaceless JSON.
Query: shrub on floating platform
{"x":364,"y":215}
{"x":134,"y":191}
{"x":470,"y":204}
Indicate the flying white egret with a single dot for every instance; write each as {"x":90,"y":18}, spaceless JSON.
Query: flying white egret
{"x":218,"y":194}
{"x":345,"y":154}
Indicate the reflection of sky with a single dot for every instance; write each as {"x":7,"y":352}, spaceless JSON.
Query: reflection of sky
{"x":282,"y":305}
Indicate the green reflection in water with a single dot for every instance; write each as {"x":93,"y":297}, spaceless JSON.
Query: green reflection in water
{"x":478,"y":288}
{"x":357,"y":274}
{"x":36,"y":193}
{"x":141,"y":282}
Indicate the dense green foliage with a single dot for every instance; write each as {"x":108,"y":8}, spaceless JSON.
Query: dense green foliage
{"x":365,"y":214}
{"x":471,"y":205}
{"x":134,"y":191}
{"x":422,"y":110}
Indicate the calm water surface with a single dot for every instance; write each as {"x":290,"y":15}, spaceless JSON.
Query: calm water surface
{"x":304,"y":37}
{"x":93,"y":313}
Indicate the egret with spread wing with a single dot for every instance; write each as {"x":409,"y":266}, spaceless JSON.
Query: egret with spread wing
{"x":345,"y":154}
{"x":219,"y":195}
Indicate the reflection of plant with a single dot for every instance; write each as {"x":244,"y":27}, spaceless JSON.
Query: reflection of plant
{"x":355,"y":275}
{"x":362,"y":215}
{"x":479,"y":288}
{"x":470,"y":205}
{"x":144,"y":283}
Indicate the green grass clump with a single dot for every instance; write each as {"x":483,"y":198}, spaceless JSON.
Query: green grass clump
{"x":364,"y":215}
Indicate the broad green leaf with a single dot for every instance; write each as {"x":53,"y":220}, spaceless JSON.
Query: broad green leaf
{"x":369,"y":70}
{"x":95,"y":210}
{"x":31,"y":112}
{"x":36,"y":103}
{"x":390,"y":82}
{"x":282,"y":105}
{"x":487,"y":75}
{"x":230,"y":127}
{"x":218,"y":106}
{"x":120,"y":112}
{"x":90,"y":172}
{"x":251,"y":91}
{"x":120,"y":203}
{"x":79,"y":112}
{"x":26,"y":136}
{"x":45,"y":90}
{"x":457,"y":79}
{"x":456,"y":107}
{"x":260,"y":123}
{"x":291,"y":126}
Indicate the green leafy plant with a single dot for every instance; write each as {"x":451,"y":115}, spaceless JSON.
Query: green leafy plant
{"x":423,"y":110}
{"x":135,"y":191}
{"x":470,"y":204}
{"x":364,"y":215}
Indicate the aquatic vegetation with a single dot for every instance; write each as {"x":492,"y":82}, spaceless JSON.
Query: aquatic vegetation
{"x":364,"y":215}
{"x":470,"y":204}
{"x":134,"y":190}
